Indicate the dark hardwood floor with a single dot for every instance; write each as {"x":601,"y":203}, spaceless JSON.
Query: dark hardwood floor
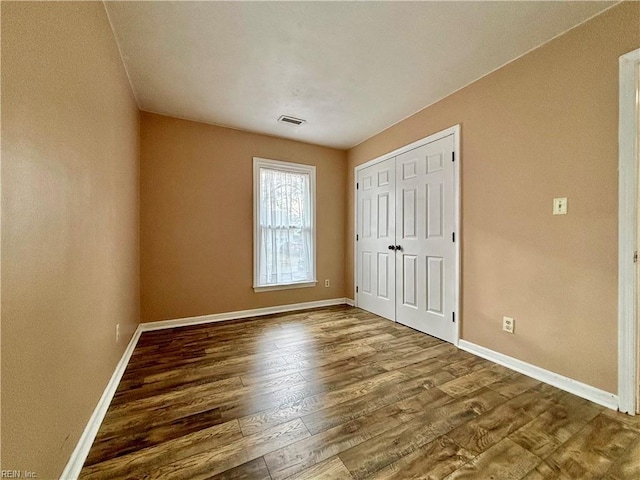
{"x":339,"y":393}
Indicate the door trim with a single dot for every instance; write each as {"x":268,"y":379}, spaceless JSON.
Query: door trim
{"x":628,"y":139}
{"x":455,"y":131}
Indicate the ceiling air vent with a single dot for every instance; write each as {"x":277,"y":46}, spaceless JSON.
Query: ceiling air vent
{"x":291,"y":120}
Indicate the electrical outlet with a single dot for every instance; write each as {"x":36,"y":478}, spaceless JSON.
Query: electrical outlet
{"x":117,"y":332}
{"x":508,"y":324}
{"x":326,"y":283}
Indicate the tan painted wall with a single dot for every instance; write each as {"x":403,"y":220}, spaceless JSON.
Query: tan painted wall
{"x":541,"y":127}
{"x":70,"y":172}
{"x":196,"y":218}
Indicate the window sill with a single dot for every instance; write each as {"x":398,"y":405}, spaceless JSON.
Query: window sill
{"x":287,"y":286}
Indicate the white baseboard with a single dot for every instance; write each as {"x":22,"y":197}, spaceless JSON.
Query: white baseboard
{"x":350,"y":302}
{"x":255,"y":312}
{"x":567,"y":384}
{"x":79,"y":455}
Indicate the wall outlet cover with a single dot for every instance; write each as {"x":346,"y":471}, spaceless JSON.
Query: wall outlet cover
{"x":508,"y":324}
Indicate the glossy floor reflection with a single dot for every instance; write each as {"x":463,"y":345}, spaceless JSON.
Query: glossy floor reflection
{"x":341,"y":393}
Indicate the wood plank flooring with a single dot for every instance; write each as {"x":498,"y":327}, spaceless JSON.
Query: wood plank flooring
{"x":339,"y":393}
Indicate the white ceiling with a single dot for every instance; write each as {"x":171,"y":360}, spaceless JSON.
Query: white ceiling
{"x":351,"y":69}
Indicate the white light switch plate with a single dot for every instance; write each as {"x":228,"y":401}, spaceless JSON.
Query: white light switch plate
{"x":560,"y":206}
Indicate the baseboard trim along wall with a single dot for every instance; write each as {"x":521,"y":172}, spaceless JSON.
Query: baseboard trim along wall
{"x":567,"y":384}
{"x":79,"y":455}
{"x":256,"y":312}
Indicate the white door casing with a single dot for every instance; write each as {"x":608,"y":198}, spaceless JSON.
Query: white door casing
{"x":628,"y":151}
{"x":376,"y":233}
{"x":427,"y":268}
{"x":425,"y":262}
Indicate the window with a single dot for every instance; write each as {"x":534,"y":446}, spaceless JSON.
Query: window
{"x":284,"y":225}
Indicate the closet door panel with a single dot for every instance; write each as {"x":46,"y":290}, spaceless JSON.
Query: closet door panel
{"x":376,"y":232}
{"x":425,"y":222}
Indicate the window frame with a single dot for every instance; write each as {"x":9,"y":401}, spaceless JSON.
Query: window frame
{"x":265,"y":163}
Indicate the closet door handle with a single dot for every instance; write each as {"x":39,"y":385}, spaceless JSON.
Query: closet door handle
{"x":398,"y":247}
{"x":391,"y":247}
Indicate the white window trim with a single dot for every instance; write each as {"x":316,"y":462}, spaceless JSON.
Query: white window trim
{"x":288,"y":167}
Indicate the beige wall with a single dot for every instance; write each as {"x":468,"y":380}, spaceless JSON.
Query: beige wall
{"x":196,"y":219}
{"x":70,"y":171}
{"x":541,"y":127}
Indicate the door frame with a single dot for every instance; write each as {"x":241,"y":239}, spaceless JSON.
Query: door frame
{"x":628,"y":150}
{"x":455,"y":131}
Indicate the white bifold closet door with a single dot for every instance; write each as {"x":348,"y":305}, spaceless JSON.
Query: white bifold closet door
{"x":376,"y":234}
{"x":405,"y":248}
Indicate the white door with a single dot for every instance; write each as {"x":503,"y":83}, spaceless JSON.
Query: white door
{"x":425,"y":221}
{"x":376,"y":233}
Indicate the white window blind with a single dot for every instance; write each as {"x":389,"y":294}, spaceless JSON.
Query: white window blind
{"x":284,"y":250}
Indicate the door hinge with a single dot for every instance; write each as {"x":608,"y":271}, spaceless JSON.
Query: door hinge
{"x":357,"y":185}
{"x":453,"y":237}
{"x":635,"y":257}
{"x":453,"y":317}
{"x":453,"y":156}
{"x":356,"y":289}
{"x":357,"y":237}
